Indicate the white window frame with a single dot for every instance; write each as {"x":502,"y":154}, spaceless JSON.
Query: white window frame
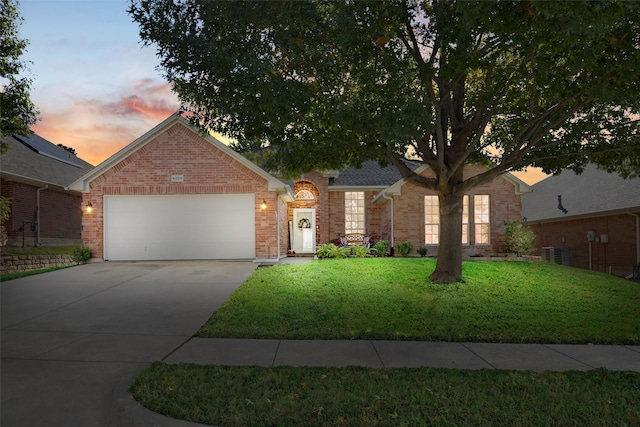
{"x":305,"y":195}
{"x":354,"y":212}
{"x":431,"y":220}
{"x":482,"y":219}
{"x":465,"y":220}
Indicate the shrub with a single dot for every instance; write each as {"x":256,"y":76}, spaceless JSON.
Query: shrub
{"x":332,"y":251}
{"x":423,"y":251}
{"x":404,"y":248}
{"x":380,"y":248}
{"x":324,"y":251}
{"x":341,"y":252}
{"x":360,"y":251}
{"x":81,"y":255}
{"x":519,"y":237}
{"x":5,"y":210}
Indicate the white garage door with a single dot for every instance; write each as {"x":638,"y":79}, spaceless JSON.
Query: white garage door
{"x":212,"y":226}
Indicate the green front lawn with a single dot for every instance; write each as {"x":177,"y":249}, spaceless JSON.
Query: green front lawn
{"x":392,"y":298}
{"x":284,"y":396}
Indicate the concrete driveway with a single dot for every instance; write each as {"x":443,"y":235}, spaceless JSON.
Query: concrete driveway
{"x":71,"y":336}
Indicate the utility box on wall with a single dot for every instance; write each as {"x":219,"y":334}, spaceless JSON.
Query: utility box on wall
{"x":556,"y":255}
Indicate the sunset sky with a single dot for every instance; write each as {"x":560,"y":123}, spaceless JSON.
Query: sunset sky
{"x":95,"y":84}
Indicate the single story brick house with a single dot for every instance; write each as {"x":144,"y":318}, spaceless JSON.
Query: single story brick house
{"x":175,"y":194}
{"x":601,"y":227}
{"x":34,"y":173}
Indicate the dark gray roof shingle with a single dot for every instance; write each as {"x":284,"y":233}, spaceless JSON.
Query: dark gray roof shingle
{"x":594,"y":191}
{"x":370,"y":174}
{"x":22,"y":161}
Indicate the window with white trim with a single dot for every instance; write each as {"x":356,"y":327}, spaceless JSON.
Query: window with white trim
{"x":481,"y":218}
{"x":465,"y":219}
{"x":304,"y":195}
{"x":431,"y":220}
{"x":354,"y":212}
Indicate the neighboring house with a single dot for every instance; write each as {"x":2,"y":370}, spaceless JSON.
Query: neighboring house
{"x":175,"y":194}
{"x":601,"y":227}
{"x":34,"y":173}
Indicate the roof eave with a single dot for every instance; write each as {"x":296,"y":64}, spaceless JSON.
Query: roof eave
{"x":585,"y":215}
{"x":82,"y":184}
{"x":357,"y":187}
{"x":32,"y":181}
{"x":519,"y":185}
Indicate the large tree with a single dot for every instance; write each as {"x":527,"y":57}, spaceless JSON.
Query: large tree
{"x":17,"y":112}
{"x":510,"y":84}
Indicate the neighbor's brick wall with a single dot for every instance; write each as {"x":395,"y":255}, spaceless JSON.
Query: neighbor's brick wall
{"x":617,"y":256}
{"x":60,"y":215}
{"x":206,"y":170}
{"x":504,"y":205}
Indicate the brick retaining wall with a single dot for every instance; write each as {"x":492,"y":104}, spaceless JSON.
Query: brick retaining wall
{"x":15,"y":263}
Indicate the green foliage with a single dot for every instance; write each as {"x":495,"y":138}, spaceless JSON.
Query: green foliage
{"x":423,"y":251}
{"x":324,"y":251}
{"x":40,"y":250}
{"x":25,"y":273}
{"x":520,"y":238}
{"x":18,"y":112}
{"x":330,"y":250}
{"x":360,"y":251}
{"x":404,"y":248}
{"x":390,"y":299}
{"x":330,"y":84}
{"x":81,"y":255}
{"x":380,"y":248}
{"x":234,"y":396}
{"x":5,"y":210}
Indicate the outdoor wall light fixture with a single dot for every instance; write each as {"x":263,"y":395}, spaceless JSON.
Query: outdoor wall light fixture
{"x":263,"y":206}
{"x":89,"y":207}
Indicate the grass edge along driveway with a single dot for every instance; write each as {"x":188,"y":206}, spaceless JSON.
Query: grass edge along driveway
{"x":508,"y":302}
{"x":392,"y":299}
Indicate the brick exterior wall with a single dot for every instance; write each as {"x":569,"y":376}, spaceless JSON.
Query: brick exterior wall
{"x":372,"y":215}
{"x":408,"y":215}
{"x":206,"y":170}
{"x":60,"y":215}
{"x":284,"y":227}
{"x":618,"y":256}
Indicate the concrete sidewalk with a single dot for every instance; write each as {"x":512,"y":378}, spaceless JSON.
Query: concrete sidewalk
{"x":378,"y":354}
{"x":406,"y":354}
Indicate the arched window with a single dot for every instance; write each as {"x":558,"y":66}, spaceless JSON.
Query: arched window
{"x":304,"y":195}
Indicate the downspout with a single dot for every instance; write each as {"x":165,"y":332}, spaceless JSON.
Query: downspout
{"x":637,"y":236}
{"x":38,"y":213}
{"x":278,"y":227}
{"x":392,"y":222}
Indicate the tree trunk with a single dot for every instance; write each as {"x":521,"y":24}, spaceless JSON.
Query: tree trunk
{"x":449,"y":263}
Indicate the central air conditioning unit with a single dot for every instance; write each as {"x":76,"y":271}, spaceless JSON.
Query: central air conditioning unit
{"x":556,"y":255}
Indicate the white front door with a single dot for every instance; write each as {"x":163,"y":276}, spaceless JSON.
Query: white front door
{"x":304,"y":231}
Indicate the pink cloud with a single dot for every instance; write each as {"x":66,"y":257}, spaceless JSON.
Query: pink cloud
{"x":98,"y":128}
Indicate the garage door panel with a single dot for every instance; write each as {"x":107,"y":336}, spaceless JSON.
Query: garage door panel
{"x":180,"y":227}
